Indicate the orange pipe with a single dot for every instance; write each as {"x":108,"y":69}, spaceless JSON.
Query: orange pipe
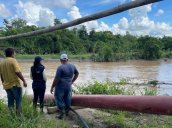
{"x":144,"y":104}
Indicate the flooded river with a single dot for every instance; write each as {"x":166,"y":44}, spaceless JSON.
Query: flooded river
{"x":136,"y":71}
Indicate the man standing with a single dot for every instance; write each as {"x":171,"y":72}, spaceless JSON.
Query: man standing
{"x":10,"y":75}
{"x":66,"y":74}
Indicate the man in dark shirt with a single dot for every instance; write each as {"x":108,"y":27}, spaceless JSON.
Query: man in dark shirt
{"x":66,"y":74}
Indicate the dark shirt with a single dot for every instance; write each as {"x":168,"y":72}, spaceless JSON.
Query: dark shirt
{"x":65,"y":73}
{"x":37,"y":75}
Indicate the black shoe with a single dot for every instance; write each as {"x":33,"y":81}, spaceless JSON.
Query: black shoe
{"x":60,"y":116}
{"x":41,"y":110}
{"x":67,"y":111}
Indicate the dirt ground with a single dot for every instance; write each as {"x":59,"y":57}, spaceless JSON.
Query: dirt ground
{"x":98,"y":119}
{"x":90,"y":116}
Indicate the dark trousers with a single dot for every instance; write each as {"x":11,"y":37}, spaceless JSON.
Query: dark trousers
{"x":38,"y":93}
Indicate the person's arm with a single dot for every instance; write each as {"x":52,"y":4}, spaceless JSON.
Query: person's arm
{"x":19,"y":74}
{"x":76,"y":73}
{"x":31,"y":74}
{"x":75,"y":77}
{"x":44,"y":76}
{"x":2,"y":79}
{"x":1,"y":76}
{"x":55,"y":81}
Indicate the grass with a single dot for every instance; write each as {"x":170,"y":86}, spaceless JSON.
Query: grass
{"x":166,"y":54}
{"x":93,"y":56}
{"x":90,"y":56}
{"x":53,"y":56}
{"x":28,"y":119}
{"x":148,"y":91}
{"x":112,"y":118}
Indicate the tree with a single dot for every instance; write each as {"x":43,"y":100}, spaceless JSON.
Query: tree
{"x":118,"y":9}
{"x":83,"y":32}
{"x":167,"y":42}
{"x":7,"y":24}
{"x":18,"y":23}
{"x":105,"y":54}
{"x":92,"y":35}
{"x":57,"y":21}
{"x":150,"y":47}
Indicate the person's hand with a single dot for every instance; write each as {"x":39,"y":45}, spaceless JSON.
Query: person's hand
{"x":73,"y":84}
{"x":25,"y":84}
{"x":51,"y":90}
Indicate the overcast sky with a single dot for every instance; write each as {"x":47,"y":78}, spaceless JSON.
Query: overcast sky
{"x":154,"y":19}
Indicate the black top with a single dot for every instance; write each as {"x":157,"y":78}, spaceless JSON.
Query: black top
{"x":37,"y":75}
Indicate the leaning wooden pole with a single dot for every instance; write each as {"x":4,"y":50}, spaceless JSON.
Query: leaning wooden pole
{"x":144,"y":104}
{"x":115,"y":10}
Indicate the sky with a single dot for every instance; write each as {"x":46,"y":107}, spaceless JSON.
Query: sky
{"x":153,"y":19}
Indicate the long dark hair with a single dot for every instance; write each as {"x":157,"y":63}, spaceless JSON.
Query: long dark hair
{"x":36,"y":63}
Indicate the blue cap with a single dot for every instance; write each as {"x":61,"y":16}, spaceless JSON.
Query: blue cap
{"x":38,"y":59}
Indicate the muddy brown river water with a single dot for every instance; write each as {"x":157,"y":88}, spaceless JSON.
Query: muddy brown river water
{"x":136,"y":71}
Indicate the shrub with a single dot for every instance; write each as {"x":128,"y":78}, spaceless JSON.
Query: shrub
{"x":107,"y":87}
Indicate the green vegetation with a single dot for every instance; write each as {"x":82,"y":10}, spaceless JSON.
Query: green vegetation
{"x":108,"y":87}
{"x":115,"y":88}
{"x":29,"y":118}
{"x":153,"y":82}
{"x":148,"y":91}
{"x":53,"y":56}
{"x":108,"y":118}
{"x":99,"y":46}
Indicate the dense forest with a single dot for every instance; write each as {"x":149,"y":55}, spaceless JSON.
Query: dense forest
{"x":104,"y":46}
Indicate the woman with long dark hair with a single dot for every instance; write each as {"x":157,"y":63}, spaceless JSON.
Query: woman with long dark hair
{"x":39,"y":82}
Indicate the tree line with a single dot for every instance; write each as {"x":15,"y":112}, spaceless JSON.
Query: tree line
{"x":104,"y":46}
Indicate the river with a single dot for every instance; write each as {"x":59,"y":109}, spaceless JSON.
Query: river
{"x":137,"y":71}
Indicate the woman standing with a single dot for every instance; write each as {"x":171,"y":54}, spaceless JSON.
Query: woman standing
{"x":39,"y":82}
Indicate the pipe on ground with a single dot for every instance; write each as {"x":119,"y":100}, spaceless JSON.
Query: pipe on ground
{"x":144,"y":104}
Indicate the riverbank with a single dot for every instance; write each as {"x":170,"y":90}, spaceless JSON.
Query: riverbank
{"x":30,"y":118}
{"x":104,"y":118}
{"x":53,"y":56}
{"x":95,"y":118}
{"x":74,"y":58}
{"x":83,"y":57}
{"x":86,"y":57}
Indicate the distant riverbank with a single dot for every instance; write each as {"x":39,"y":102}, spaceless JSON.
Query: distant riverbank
{"x":78,"y":57}
{"x":90,"y":57}
{"x":53,"y":56}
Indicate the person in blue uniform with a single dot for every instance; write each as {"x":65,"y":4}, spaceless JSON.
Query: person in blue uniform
{"x":39,"y":82}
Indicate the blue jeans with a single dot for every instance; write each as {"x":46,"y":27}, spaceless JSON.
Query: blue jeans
{"x":14,"y":94}
{"x":63,"y":96}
